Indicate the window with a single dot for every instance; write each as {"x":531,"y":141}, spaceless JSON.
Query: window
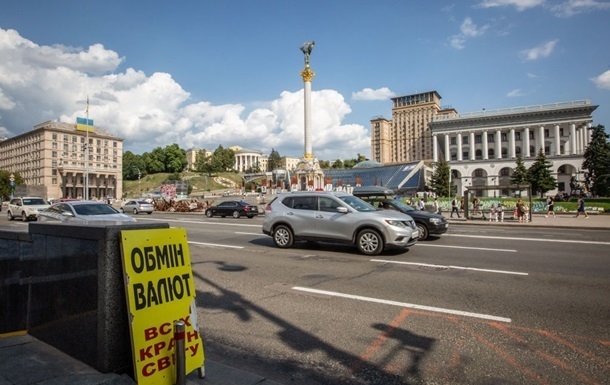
{"x":54,"y":154}
{"x":504,"y":137}
{"x":490,"y":138}
{"x":546,"y":133}
{"x":478,"y":173}
{"x":464,"y":140}
{"x":54,"y":136}
{"x":453,"y":140}
{"x":74,"y":139}
{"x":53,"y":180}
{"x":478,"y":138}
{"x":65,"y":138}
{"x":517,"y":135}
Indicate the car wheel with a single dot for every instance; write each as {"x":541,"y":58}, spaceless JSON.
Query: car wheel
{"x":236,"y":214}
{"x":283,"y":237}
{"x":150,"y":212}
{"x":122,"y":210}
{"x":24,"y":217}
{"x":9,"y":216}
{"x":369,"y":242}
{"x":250,"y":216}
{"x":423,"y":232}
{"x":135,"y":211}
{"x":208,"y":213}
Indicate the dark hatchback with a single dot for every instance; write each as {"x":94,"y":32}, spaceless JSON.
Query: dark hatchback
{"x":234,"y":209}
{"x":427,"y":223}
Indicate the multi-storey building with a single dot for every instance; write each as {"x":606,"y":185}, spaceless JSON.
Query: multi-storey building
{"x":482,"y":147}
{"x":191,"y":157}
{"x":407,"y":137}
{"x":53,"y":155}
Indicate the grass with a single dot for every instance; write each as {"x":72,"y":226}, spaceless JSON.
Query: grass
{"x":201,"y":183}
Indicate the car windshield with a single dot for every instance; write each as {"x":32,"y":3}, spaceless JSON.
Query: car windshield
{"x":94,"y":209}
{"x":357,"y":203}
{"x":403,"y":206}
{"x":142,"y":202}
{"x":34,"y":201}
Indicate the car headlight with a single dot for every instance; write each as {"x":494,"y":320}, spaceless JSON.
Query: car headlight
{"x":436,"y":221}
{"x":394,"y":222}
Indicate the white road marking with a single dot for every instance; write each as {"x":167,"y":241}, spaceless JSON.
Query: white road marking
{"x":528,"y":239}
{"x":200,"y":222}
{"x":404,"y":304}
{"x":451,"y":267}
{"x":239,"y":232}
{"x":419,"y":244}
{"x":215,"y":245}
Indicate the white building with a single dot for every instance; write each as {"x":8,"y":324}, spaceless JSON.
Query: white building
{"x":482,"y":147}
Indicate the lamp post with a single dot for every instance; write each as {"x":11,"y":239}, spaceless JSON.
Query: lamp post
{"x":12,"y":183}
{"x":139,"y":175}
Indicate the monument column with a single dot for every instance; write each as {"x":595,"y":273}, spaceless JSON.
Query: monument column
{"x":308,"y":172}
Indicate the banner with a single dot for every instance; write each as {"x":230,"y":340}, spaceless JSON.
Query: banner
{"x":160,"y":290}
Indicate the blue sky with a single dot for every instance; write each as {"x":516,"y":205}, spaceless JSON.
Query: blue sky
{"x":209,"y":73}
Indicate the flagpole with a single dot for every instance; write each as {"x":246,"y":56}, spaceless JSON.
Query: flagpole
{"x":86,"y":194}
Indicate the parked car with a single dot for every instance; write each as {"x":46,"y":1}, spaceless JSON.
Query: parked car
{"x":232,"y":208}
{"x":137,"y":207}
{"x":381,"y":197}
{"x":336,"y":217}
{"x":83,"y":211}
{"x":26,"y":207}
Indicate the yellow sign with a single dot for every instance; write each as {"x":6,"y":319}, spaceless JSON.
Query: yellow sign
{"x":82,"y":127}
{"x":160,"y":290}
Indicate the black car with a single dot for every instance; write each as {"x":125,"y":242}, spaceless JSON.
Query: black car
{"x":232,"y":208}
{"x":427,"y":223}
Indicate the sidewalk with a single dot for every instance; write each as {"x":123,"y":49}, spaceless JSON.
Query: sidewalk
{"x":595,"y":221}
{"x":24,"y":360}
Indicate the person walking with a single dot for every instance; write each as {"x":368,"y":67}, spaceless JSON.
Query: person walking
{"x":550,"y":203}
{"x":454,"y":207}
{"x":581,"y":207}
{"x":421,"y":204}
{"x":435,"y":206}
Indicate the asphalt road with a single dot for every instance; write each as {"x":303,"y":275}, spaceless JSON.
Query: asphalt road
{"x":479,"y":305}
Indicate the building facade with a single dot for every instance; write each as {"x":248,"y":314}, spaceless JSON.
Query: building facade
{"x":407,"y":137}
{"x":482,"y":147}
{"x":246,"y":159}
{"x":53,"y":155}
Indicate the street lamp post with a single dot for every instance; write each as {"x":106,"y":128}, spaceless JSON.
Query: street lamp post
{"x":12,"y":183}
{"x":139,"y":175}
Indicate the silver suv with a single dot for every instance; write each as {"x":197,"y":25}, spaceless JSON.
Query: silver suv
{"x":336,"y":217}
{"x":26,"y":208}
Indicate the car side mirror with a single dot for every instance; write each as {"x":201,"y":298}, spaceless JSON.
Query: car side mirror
{"x":342,"y":209}
{"x":67,"y":214}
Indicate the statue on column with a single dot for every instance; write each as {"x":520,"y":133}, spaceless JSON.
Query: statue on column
{"x":307,"y":47}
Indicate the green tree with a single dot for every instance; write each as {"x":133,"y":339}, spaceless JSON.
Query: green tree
{"x":520,"y":175}
{"x":133,"y":166}
{"x":154,"y":161}
{"x":337,"y":164}
{"x":223,"y":159}
{"x":440,"y":178}
{"x":5,"y":183}
{"x":174,"y":158}
{"x":349,"y":163}
{"x":540,"y":175}
{"x":275,"y":160}
{"x":324,"y":164}
{"x":597,"y":162}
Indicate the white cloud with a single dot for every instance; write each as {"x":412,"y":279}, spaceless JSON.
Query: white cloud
{"x":519,"y":4}
{"x":383,"y":93}
{"x":515,"y":93}
{"x":573,"y":7}
{"x":40,"y":83}
{"x":531,"y":75}
{"x":542,"y":51}
{"x":467,"y":30}
{"x":602,"y":81}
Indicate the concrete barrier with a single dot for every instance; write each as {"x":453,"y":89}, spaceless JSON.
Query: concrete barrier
{"x":64,"y":285}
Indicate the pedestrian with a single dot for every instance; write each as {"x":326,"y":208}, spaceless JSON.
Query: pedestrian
{"x":550,"y":203}
{"x":520,"y":210}
{"x":436,"y":207}
{"x":421,"y":204}
{"x":500,"y":211}
{"x":493,"y":214}
{"x":454,"y":207}
{"x":581,"y":207}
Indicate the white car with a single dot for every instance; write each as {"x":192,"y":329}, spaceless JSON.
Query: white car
{"x":137,"y":207}
{"x":83,"y":212}
{"x":26,"y":208}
